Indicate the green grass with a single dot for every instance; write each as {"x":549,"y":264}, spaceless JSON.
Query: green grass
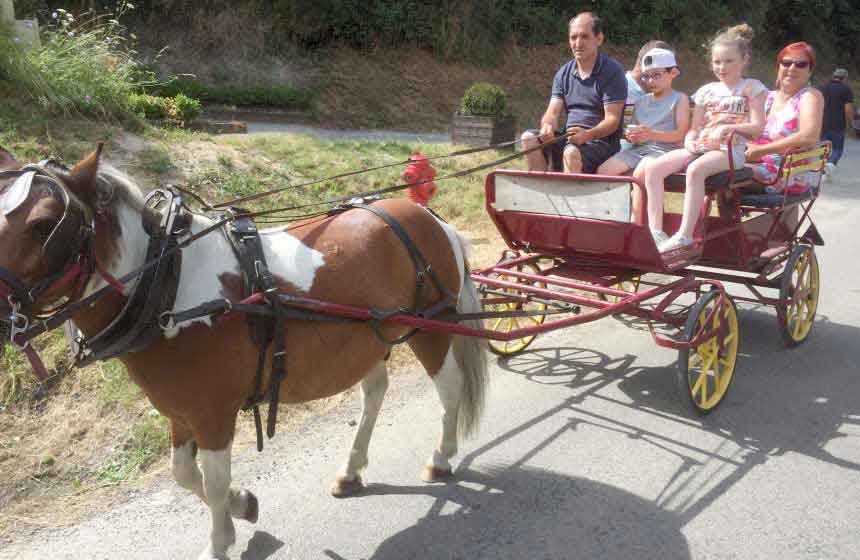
{"x":146,"y":441}
{"x":273,"y":162}
{"x":156,"y":159}
{"x":117,"y":388}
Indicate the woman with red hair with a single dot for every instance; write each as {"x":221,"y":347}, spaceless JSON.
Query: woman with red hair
{"x":794,"y":114}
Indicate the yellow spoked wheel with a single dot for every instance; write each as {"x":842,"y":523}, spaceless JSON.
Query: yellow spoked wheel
{"x":706,"y":371}
{"x":800,"y":287}
{"x":631,"y":285}
{"x":508,"y":324}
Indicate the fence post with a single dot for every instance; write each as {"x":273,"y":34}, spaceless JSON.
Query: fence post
{"x":24,"y":31}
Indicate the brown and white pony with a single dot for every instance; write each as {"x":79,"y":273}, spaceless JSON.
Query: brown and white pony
{"x":199,"y":374}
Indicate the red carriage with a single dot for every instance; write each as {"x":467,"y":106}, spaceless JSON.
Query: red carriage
{"x":575,"y":241}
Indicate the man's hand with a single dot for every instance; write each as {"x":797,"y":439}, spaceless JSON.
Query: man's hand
{"x":578,"y":135}
{"x":547,"y":132}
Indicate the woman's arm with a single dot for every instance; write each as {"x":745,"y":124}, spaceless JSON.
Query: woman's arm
{"x":808,"y":130}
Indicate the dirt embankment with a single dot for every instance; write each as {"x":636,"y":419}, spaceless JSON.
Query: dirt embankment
{"x":410,"y":89}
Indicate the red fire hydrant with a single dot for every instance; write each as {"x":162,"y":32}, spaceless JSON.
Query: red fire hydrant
{"x":419,"y":174}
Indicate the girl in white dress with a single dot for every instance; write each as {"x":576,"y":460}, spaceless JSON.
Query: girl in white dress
{"x":733,"y":104}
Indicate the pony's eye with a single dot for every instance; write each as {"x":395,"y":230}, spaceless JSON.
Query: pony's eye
{"x":43,"y":229}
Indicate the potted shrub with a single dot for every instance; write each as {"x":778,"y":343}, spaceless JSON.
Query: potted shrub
{"x":483,"y":119}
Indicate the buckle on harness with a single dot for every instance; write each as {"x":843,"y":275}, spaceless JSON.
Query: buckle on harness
{"x":18,"y":323}
{"x":166,"y":321}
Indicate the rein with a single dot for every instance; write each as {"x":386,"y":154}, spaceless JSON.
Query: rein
{"x":382,"y":191}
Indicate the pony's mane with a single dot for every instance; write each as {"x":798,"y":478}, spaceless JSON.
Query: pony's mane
{"x":123,"y":186}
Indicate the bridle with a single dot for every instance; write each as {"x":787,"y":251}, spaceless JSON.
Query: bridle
{"x":67,"y":253}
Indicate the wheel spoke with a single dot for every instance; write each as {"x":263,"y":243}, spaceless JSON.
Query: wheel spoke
{"x":697,"y":386}
{"x":694,"y":357}
{"x":797,"y":324}
{"x":704,"y":389}
{"x":707,"y":363}
{"x":717,"y":374}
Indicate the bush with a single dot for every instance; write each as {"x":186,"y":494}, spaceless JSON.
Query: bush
{"x":274,"y":96}
{"x":187,"y":109}
{"x":86,"y":66}
{"x":180,"y":108}
{"x":484,"y":100}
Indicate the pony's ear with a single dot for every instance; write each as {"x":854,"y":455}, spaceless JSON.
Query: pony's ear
{"x":82,"y":179}
{"x":7,"y":160}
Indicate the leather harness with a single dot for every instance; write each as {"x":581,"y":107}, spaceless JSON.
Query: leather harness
{"x":148,"y":309}
{"x":269,"y":328}
{"x":137,"y":325}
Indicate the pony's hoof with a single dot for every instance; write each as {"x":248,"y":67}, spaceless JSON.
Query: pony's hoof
{"x":436,"y":474}
{"x":252,"y":507}
{"x":343,"y":487}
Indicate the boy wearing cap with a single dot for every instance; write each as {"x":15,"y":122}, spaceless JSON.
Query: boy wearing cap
{"x":660,"y":119}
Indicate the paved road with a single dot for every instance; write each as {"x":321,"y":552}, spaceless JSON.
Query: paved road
{"x":585,"y":453}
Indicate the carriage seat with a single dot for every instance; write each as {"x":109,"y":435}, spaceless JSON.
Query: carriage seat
{"x":773,"y":200}
{"x":678,"y":181}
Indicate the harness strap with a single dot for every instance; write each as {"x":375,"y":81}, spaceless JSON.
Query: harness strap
{"x":265,"y":330}
{"x":422,"y":270}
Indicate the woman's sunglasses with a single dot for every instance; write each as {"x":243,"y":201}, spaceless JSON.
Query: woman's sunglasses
{"x":788,"y":63}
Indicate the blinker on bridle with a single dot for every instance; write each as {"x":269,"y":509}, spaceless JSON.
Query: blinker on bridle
{"x":63,"y":246}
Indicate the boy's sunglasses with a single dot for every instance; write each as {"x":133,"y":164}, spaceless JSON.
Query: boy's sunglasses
{"x":653,"y":76}
{"x":788,"y":63}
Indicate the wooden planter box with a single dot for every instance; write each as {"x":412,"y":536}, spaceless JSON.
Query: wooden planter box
{"x":482,"y":131}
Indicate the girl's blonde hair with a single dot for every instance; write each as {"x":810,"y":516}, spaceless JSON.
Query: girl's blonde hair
{"x":740,"y":36}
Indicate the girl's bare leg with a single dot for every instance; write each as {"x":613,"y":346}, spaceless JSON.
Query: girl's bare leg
{"x":706,"y":165}
{"x":655,"y":173}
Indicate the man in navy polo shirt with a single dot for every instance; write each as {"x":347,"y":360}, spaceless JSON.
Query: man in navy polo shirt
{"x":592,"y":88}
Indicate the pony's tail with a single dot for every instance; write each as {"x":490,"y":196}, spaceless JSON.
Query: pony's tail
{"x":471,"y":355}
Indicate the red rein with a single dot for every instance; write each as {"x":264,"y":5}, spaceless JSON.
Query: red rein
{"x":420,"y":174}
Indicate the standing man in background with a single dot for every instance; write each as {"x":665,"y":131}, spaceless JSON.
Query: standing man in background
{"x":838,"y":113}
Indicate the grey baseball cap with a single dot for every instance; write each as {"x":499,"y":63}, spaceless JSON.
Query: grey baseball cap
{"x":840,"y":73}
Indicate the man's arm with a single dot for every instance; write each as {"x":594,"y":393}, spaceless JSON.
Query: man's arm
{"x":848,"y":108}
{"x":613,"y":113}
{"x":550,"y":119}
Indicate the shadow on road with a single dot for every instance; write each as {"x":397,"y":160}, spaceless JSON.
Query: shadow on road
{"x":261,"y":546}
{"x":553,"y":516}
{"x":781,"y":401}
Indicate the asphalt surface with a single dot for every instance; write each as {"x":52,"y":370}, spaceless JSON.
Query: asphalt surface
{"x":585,"y":452}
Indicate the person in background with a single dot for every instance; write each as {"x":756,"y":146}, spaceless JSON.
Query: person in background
{"x":592,"y":89}
{"x":838,"y":112}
